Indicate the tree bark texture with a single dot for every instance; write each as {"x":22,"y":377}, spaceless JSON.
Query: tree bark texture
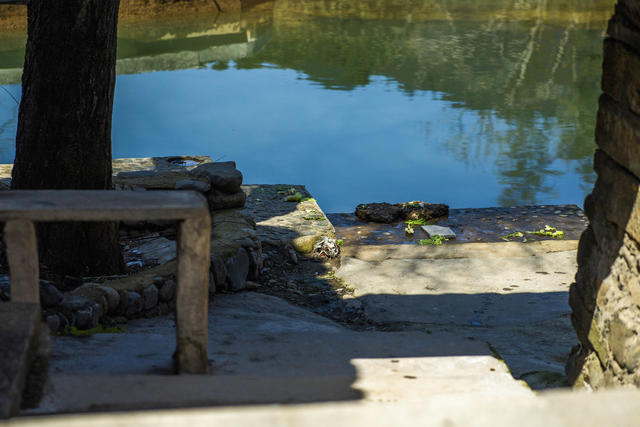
{"x":64,"y":124}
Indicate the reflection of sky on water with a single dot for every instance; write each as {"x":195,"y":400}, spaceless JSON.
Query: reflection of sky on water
{"x":8,"y":121}
{"x":466,"y":112}
{"x":370,"y":144}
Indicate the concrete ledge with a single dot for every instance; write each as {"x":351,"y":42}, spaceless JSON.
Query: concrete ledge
{"x":462,"y":250}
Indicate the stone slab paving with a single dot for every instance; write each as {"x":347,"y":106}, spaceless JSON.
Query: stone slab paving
{"x":262,"y":349}
{"x":519,"y":304}
{"x":280,"y":221}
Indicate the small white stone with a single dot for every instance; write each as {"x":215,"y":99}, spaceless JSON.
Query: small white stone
{"x":436,"y":230}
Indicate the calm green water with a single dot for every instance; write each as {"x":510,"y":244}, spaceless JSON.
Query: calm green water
{"x":483,"y":107}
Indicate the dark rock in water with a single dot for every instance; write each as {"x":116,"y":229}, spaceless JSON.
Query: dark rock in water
{"x":50,"y":296}
{"x":422,"y":210}
{"x":223,"y":176}
{"x":219,"y":200}
{"x":388,"y":213}
{"x":378,"y":212}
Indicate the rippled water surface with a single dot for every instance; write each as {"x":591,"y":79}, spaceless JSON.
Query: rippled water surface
{"x":468,"y":103}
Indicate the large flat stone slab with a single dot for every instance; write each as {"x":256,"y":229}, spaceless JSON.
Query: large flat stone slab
{"x":518,"y":304}
{"x":264,"y":350}
{"x":19,"y":334}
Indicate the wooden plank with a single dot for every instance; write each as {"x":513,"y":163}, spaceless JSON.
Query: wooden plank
{"x":194,"y":245}
{"x":100,"y":205}
{"x":22,"y":255}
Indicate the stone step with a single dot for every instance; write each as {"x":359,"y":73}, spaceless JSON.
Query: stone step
{"x":557,"y":409}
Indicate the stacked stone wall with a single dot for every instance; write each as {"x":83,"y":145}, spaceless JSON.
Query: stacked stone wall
{"x":605,"y":299}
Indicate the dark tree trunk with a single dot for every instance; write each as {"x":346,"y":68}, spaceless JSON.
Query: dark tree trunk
{"x":64,"y":124}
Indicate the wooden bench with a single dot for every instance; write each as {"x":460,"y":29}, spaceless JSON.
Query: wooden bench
{"x":20,"y":209}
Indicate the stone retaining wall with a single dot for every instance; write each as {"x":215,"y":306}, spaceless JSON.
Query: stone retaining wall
{"x":606,"y":296}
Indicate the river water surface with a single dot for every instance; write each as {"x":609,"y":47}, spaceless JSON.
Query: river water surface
{"x":472,"y":104}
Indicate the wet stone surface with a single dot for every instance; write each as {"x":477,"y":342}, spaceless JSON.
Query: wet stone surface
{"x":470,"y":225}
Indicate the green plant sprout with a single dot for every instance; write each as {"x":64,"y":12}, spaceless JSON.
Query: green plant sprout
{"x":511,"y":236}
{"x":419,"y":221}
{"x":409,"y":229}
{"x":296,"y":197}
{"x":339,"y":242}
{"x":434,"y":241}
{"x":548,"y":231}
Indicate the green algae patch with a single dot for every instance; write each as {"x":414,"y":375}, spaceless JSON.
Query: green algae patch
{"x":512,"y":236}
{"x":72,"y":331}
{"x":434,"y":241}
{"x":419,"y":221}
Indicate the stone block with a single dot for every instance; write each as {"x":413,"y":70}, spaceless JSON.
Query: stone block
{"x":621,"y":77}
{"x":150,"y":297}
{"x":134,"y":304}
{"x":305,"y":244}
{"x":167,"y":290}
{"x":219,"y":271}
{"x":630,"y":9}
{"x":219,"y":200}
{"x":436,"y":230}
{"x":50,"y":296}
{"x":223,"y":176}
{"x":107,"y":297}
{"x":618,"y":134}
{"x":193,"y":184}
{"x":617,"y":192}
{"x":87,"y":318}
{"x":237,"y":270}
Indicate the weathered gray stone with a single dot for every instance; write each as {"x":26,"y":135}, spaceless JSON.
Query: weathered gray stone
{"x":378,"y":212}
{"x":305,"y":244}
{"x":255,"y":264}
{"x":107,"y":297}
{"x":87,"y":318}
{"x":237,"y":270}
{"x":436,"y":230}
{"x":219,"y":271}
{"x":167,"y":291}
{"x":74,"y":302}
{"x":193,"y":184}
{"x":616,"y":126}
{"x":53,"y":322}
{"x":219,"y":200}
{"x":134,"y":304}
{"x":622,"y":81}
{"x":121,"y":309}
{"x":152,"y":179}
{"x":150,"y":297}
{"x":387,"y":213}
{"x":223,"y":176}
{"x":50,"y":296}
